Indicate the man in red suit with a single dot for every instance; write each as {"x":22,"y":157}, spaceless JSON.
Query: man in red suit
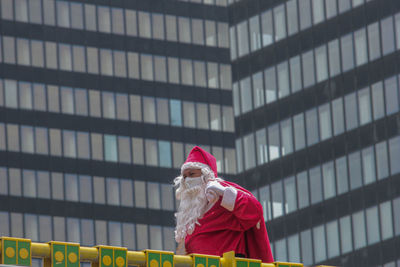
{"x":216,"y":216}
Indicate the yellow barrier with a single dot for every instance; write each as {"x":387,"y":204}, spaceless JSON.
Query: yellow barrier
{"x":66,"y":255}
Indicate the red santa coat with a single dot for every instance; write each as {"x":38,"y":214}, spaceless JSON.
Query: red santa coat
{"x":234,"y":223}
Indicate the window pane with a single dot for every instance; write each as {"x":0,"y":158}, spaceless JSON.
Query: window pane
{"x":142,"y":236}
{"x":69,"y":144}
{"x":387,"y":31}
{"x":23,"y":52}
{"x":299,"y":134}
{"x":274,"y":142}
{"x":85,"y":189}
{"x":198,"y":31}
{"x":334,"y":59}
{"x":7,"y":9}
{"x":212,"y":75}
{"x":81,"y":105}
{"x":175,"y":112}
{"x":211,"y":36}
{"x":9,"y":46}
{"x":312,"y":127}
{"x":37,"y":53}
{"x":63,"y":14}
{"x":332,"y":235}
{"x":283,"y":79}
{"x":270,"y":85}
{"x":318,"y":11}
{"x":286,"y":137}
{"x":87,"y":229}
{"x":305,"y":14}
{"x":10,"y":94}
{"x":302,"y":184}
{"x":341,"y":175}
{"x":355,"y":170}
{"x":345,"y":234}
{"x":328,"y":174}
{"x":29,"y":183}
{"x":373,"y":225}
{"x":359,"y":230}
{"x":171,"y":28}
{"x":27,"y":139}
{"x":146,"y":67}
{"x":119,"y":64}
{"x":255,"y":35}
{"x":295,"y":74}
{"x":135,"y":107}
{"x":99,"y":190}
{"x":77,"y":15}
{"x":90,"y":17}
{"x":202,"y":116}
{"x":93,"y":60}
{"x":97,"y":146}
{"x":215,"y":117}
{"x":308,"y":68}
{"x":368,"y":161}
{"x":165,"y":157}
{"x":364,"y":105}
{"x":83,"y":145}
{"x":67,"y":100}
{"x":57,"y":185}
{"x":104,"y":19}
{"x":325,"y":129}
{"x":43,"y":181}
{"x":153,"y":193}
{"x":321,"y":63}
{"x":13,"y":143}
{"x":243,"y":39}
{"x":277,"y":199}
{"x":71,"y":187}
{"x":280,"y":22}
{"x":25,"y":95}
{"x":306,"y":252}
{"x":223,"y":37}
{"x":319,"y":243}
{"x":386,"y":220}
{"x":124,"y":152}
{"x":187,"y":72}
{"x":361,"y":47}
{"x":118,"y":20}
{"x":110,"y":148}
{"x":382,"y":160}
{"x":79,"y":61}
{"x":280,"y":249}
{"x":249,"y":153}
{"x":266,"y":27}
{"x":133,"y":65}
{"x":265,"y":202}
{"x":151,"y":152}
{"x":378,"y":100}
{"x":315,"y":185}
{"x":106,"y":66}
{"x":373,"y":41}
{"x":262,"y":148}
{"x":391,"y":96}
{"x":291,"y":7}
{"x":55,"y":142}
{"x":347,"y":52}
{"x":294,"y":248}
{"x":115,"y":233}
{"x":137,"y":150}
{"x":126,"y":193}
{"x":140,"y":194}
{"x":350,"y":102}
{"x":184,"y":30}
{"x":290,"y":195}
{"x":394,"y":152}
{"x":160,"y":69}
{"x":113,"y":192}
{"x":245,"y":95}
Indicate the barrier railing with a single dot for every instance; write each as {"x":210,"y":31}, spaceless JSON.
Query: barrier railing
{"x":19,"y":251}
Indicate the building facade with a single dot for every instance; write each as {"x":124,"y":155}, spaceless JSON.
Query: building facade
{"x":100,"y":101}
{"x":317,"y":122}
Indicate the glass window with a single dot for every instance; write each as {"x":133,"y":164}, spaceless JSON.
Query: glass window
{"x":198,"y":31}
{"x":140,"y":194}
{"x":331,"y":8}
{"x":110,"y":148}
{"x":372,"y":225}
{"x":67,"y":100}
{"x":319,"y":243}
{"x":119,"y":63}
{"x":153,"y":193}
{"x":378,"y":100}
{"x":76,"y":15}
{"x":243,"y":38}
{"x":364,"y":105}
{"x":262,"y":148}
{"x":255,"y":35}
{"x":167,"y":197}
{"x":299,"y":131}
{"x":55,"y":142}
{"x":44,"y":226}
{"x":265,"y":202}
{"x":184,"y":30}
{"x":350,"y":102}
{"x":249,"y":153}
{"x":16,"y":225}
{"x":332,"y":235}
{"x":232,"y":38}
{"x":57,"y":185}
{"x":341,"y":175}
{"x":7,"y":9}
{"x":280,"y":249}
{"x":146,"y":67}
{"x":386,"y":220}
{"x":266,"y":28}
{"x":59,"y":228}
{"x":355,"y":170}
{"x":202,"y":116}
{"x":338,"y":116}
{"x":94,"y":103}
{"x":85,"y":189}
{"x":115,"y":233}
{"x":306,"y":245}
{"x":277,"y":199}
{"x":280,"y":22}
{"x":122,"y":106}
{"x":373,"y":41}
{"x":239,"y":156}
{"x":345,"y":234}
{"x":108,"y":105}
{"x":135,"y":108}
{"x":126,"y":192}
{"x":328,"y":176}
{"x":283,"y":79}
{"x":286,"y":137}
{"x":14,"y":177}
{"x":258,"y":89}
{"x":9,"y":46}
{"x":305,"y":14}
{"x":312,"y":126}
{"x":382,"y":160}
{"x":43,"y":181}
{"x":97,"y":146}
{"x":292,"y":17}
{"x":37,"y":53}
{"x":189,"y":114}
{"x":361,"y":46}
{"x":160,"y":68}
{"x":165,"y":157}
{"x":87,"y":230}
{"x":211,"y":35}
{"x":245,"y":95}
{"x":359,"y":230}
{"x":396,"y":215}
{"x":142,"y":236}
{"x":308,"y":69}
{"x":187,"y":72}
{"x":29,"y":183}
{"x":131,"y":22}
{"x":93,"y":60}
{"x":63,"y":14}
{"x":25,"y":95}
{"x":223,"y":37}
{"x":274,"y":142}
{"x":2,"y":138}
{"x":315,"y":185}
{"x":294,"y":248}
{"x":69,"y":144}
{"x":81,"y":106}
{"x":149,"y":112}
{"x":171,"y":27}
{"x":106,"y":60}
{"x":83,"y":145}
{"x":23,"y":52}
{"x":113,"y":192}
{"x":175,"y":112}
{"x":290,"y":194}
{"x":387,"y":32}
{"x":151,"y":152}
{"x":200,"y":73}
{"x":104,"y":19}
{"x":394,"y":152}
{"x":334,"y":59}
{"x":124,"y":152}
{"x":101,"y":232}
{"x":71,"y":187}
{"x":133,"y":65}
{"x":39,"y":97}
{"x":295,"y":74}
{"x":137,"y":150}
{"x":215,"y":117}
{"x":177,"y":152}
{"x":321,"y":63}
{"x":302,"y":189}
{"x":227,"y":119}
{"x":318,"y":11}
{"x":117,"y":20}
{"x":79,"y":62}
{"x":347,"y":52}
{"x":212,"y":74}
{"x":325,"y":128}
{"x":90,"y":17}
{"x":13,"y":143}
{"x":27,"y":139}
{"x":270,"y":85}
{"x":368,"y":161}
{"x":173,"y":70}
{"x":391,"y":96}
{"x":99,"y":190}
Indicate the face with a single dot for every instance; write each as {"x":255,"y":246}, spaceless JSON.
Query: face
{"x":191,"y":173}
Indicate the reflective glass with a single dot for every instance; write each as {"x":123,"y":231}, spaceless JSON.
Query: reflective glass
{"x":325,"y":128}
{"x":328,"y":176}
{"x":341,"y":175}
{"x":69,"y":144}
{"x":382,"y":160}
{"x":81,"y":102}
{"x":373,"y":232}
{"x":25,"y":95}
{"x":187,"y":72}
{"x":137,"y":150}
{"x":160,"y":68}
{"x":23,"y":52}
{"x":131,"y":22}
{"x":90,"y":17}
{"x":347,"y":52}
{"x":374,"y":41}
{"x":87,"y":229}
{"x":149,"y":112}
{"x":76,"y":15}
{"x":110,"y":148}
{"x":239,"y":158}
{"x":27,"y":139}
{"x":93,"y":60}
{"x":37,"y":53}
{"x":355,"y":170}
{"x":171,"y":27}
{"x":198,"y":31}
{"x":274,"y":142}
{"x":280,"y":22}
{"x":312,"y":127}
{"x":133,"y":65}
{"x":280,"y":249}
{"x":63,"y":14}
{"x":378,"y":100}
{"x":306,"y":245}
{"x":286,"y":137}
{"x":212,"y":75}
{"x":83,"y":145}
{"x":368,"y":161}
{"x":283,"y":79}
{"x":308,"y":68}
{"x":94,"y":103}
{"x":165,"y":157}
{"x":359,"y":230}
{"x":97,"y":146}
{"x":270,"y":85}
{"x":332,"y":236}
{"x":124,"y":149}
{"x":394,"y":152}
{"x":243,"y":38}
{"x":117,"y":15}
{"x":245,"y":95}
{"x":106,"y":62}
{"x":315,"y":185}
{"x":290,"y":194}
{"x":151,"y":152}
{"x":215,"y":117}
{"x":295,"y":74}
{"x":202,"y":116}
{"x":305,"y":14}
{"x":391,"y":96}
{"x":261,"y":147}
{"x":162,"y":111}
{"x":223,"y":37}
{"x":29,"y":183}
{"x":386,"y":220}
{"x":135,"y":105}
{"x":7,"y":9}
{"x":387,"y":32}
{"x":302,"y":189}
{"x":319,"y":243}
{"x":126,"y":192}
{"x":360,"y":39}
{"x":184,"y":30}
{"x":153,"y":195}
{"x":55,"y":142}
{"x":119,"y":63}
{"x":211,"y":36}
{"x":266,"y":28}
{"x":318,"y":11}
{"x":99,"y":190}
{"x":334,"y":59}
{"x":67,"y":100}
{"x":265,"y":202}
{"x":299,"y":131}
{"x":175,"y":112}
{"x":345,"y":234}
{"x":13,"y":143}
{"x":350,"y":103}
{"x":249,"y":153}
{"x":140,"y":194}
{"x":71,"y":187}
{"x":104,"y":19}
{"x":85,"y":189}
{"x":142,"y":236}
{"x":113,"y":191}
{"x":173,"y":70}
{"x":364,"y":105}
{"x":79,"y":62}
{"x":292,"y":17}
{"x":321,"y":63}
{"x":9,"y":46}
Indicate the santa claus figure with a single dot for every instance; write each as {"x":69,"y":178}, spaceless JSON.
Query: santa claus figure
{"x":216,"y":216}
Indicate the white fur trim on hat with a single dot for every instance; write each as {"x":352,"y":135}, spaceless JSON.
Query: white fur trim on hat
{"x":197,"y":165}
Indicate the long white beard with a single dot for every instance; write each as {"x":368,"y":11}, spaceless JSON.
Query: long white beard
{"x":193,"y":204}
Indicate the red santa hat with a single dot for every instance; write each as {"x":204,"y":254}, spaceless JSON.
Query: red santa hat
{"x":198,"y":158}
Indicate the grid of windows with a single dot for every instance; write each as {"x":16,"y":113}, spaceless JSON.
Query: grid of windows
{"x":88,"y":232}
{"x":116,"y":63}
{"x":116,"y":106}
{"x":282,"y":21}
{"x":341,"y":236}
{"x":104,"y":147}
{"x":86,"y":189}
{"x":209,"y":2}
{"x":116,"y":20}
{"x":319,"y":123}
{"x":330,"y":179}
{"x":317,"y":65}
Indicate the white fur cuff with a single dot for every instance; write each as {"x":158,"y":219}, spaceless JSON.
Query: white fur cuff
{"x":229,"y":198}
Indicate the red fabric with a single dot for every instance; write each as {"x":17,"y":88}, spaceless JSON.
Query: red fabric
{"x":221,"y":230}
{"x":197,"y":154}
